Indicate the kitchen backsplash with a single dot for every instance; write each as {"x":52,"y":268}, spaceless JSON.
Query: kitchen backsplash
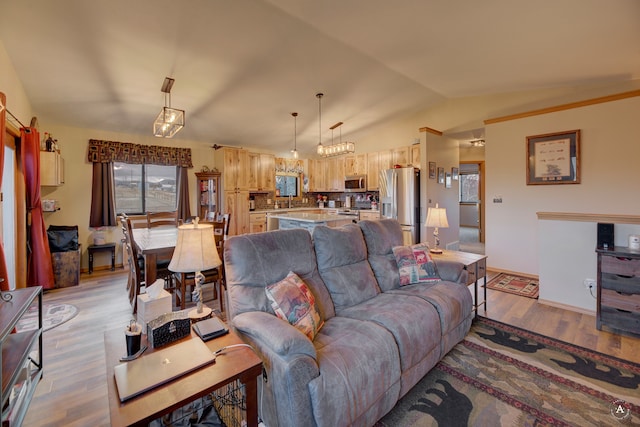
{"x":262,"y":199}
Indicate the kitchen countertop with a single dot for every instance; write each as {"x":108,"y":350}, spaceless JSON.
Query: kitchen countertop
{"x":309,"y":217}
{"x":285,"y":210}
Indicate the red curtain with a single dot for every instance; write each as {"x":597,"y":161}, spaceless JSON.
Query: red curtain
{"x":3,"y":115}
{"x":39,"y":266}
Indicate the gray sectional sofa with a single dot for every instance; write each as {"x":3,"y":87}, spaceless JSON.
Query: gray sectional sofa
{"x":378,"y":339}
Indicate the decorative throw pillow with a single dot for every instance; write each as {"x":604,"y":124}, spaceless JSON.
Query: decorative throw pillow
{"x":415,"y":264}
{"x":292,"y":301}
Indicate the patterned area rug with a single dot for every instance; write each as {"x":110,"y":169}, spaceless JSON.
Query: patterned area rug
{"x":52,"y":315}
{"x":505,"y":376}
{"x":523,"y":286}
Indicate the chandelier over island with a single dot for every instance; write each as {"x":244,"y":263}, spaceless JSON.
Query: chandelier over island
{"x":333,"y":149}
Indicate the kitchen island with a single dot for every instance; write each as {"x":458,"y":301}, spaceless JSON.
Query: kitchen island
{"x":308,"y":221}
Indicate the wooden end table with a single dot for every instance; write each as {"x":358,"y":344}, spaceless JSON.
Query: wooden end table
{"x":238,"y":363}
{"x":476,"y":266}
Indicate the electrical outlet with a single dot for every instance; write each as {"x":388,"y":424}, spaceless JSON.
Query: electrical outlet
{"x":590,"y":283}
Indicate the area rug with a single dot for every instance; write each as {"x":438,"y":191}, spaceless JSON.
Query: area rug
{"x":501,"y":375}
{"x":52,"y":315}
{"x":523,"y":286}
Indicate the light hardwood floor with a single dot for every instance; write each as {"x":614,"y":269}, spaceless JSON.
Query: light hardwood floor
{"x":73,"y":391}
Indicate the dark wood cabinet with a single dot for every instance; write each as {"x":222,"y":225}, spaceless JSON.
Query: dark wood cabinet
{"x":21,"y":361}
{"x":618,"y":301}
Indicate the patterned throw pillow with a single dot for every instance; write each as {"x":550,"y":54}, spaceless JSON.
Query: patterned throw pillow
{"x":292,"y":301}
{"x":415,"y":264}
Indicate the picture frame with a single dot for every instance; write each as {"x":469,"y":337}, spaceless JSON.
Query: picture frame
{"x":432,"y":170}
{"x":455,"y":173}
{"x":447,"y":180}
{"x":553,"y":158}
{"x":440,"y":175}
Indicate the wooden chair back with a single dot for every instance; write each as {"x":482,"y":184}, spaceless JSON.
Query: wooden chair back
{"x":137,"y":221}
{"x":157,"y":219}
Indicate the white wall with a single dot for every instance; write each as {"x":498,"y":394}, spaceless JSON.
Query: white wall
{"x":609,"y":156}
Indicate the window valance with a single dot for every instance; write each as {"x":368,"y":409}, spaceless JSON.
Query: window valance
{"x":112,"y":151}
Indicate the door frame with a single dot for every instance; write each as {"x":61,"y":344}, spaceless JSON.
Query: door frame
{"x":481,"y":189}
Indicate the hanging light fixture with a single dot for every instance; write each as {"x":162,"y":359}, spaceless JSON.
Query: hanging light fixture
{"x":320,"y":149}
{"x":170,"y":120}
{"x":295,"y":131}
{"x":339,"y":148}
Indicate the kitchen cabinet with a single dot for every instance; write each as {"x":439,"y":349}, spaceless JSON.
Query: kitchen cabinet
{"x":235,"y":182}
{"x":316,"y":174}
{"x":257,"y":222}
{"x":618,"y":299}
{"x":355,"y":164}
{"x":369,"y":215}
{"x":373,"y":171}
{"x":415,"y":156}
{"x":208,"y":193}
{"x":385,"y":160}
{"x":261,"y":172}
{"x":400,"y":156}
{"x":335,"y":174}
{"x":21,"y":364}
{"x":51,"y":168}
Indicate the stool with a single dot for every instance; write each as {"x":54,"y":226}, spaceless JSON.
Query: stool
{"x":107,"y":247}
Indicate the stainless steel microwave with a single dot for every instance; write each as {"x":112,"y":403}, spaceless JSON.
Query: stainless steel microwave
{"x":355,"y":183}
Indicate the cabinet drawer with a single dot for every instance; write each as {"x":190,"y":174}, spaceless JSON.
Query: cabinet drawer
{"x":615,"y":299}
{"x":626,"y":285}
{"x":620,"y":319}
{"x":629,"y":267}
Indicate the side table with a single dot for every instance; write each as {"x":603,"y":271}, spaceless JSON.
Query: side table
{"x":476,"y":266}
{"x":107,"y":247}
{"x":239,"y":363}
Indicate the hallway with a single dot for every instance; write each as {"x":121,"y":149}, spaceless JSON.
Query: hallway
{"x":470,"y":240}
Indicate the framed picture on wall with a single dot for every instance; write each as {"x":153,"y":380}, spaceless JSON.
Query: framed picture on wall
{"x":554,"y":158}
{"x":454,"y":174}
{"x":447,"y":180}
{"x":440,"y":175}
{"x":432,"y":170}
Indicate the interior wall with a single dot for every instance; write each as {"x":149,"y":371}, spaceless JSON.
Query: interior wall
{"x":608,"y":170}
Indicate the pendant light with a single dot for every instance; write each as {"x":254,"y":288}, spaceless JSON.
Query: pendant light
{"x":295,"y":131}
{"x":170,"y":120}
{"x":320,"y":149}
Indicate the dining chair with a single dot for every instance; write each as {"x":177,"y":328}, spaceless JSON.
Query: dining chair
{"x":137,"y":221}
{"x":157,"y":219}
{"x":214,"y":275}
{"x":226,"y":217}
{"x":137,"y":266}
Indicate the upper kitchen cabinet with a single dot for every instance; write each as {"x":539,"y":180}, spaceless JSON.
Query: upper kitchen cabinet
{"x":335,"y":174}
{"x":355,"y":164}
{"x":373,"y":171}
{"x":235,"y":175}
{"x":400,"y":156}
{"x":316,"y":175}
{"x":385,"y":159}
{"x":51,"y":168}
{"x":415,"y":156}
{"x":261,"y":172}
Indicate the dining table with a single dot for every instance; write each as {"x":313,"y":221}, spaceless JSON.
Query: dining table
{"x":156,"y":243}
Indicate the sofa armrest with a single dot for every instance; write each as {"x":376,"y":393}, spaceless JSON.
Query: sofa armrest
{"x":452,"y":271}
{"x":266,"y":330}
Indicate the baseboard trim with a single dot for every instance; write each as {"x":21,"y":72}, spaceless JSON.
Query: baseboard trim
{"x":567,"y":307}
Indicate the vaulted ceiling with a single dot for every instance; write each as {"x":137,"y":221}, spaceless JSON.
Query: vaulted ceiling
{"x":242,"y":66}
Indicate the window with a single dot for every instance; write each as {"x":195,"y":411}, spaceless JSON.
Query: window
{"x":469,"y":187}
{"x":286,"y":185}
{"x":142,"y":188}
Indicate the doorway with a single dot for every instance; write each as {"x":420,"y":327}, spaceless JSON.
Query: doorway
{"x":471,"y":192}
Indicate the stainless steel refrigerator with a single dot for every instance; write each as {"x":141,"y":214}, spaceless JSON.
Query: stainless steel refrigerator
{"x":400,"y":200}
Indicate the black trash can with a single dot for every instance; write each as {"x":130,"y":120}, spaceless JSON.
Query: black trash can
{"x":65,"y":254}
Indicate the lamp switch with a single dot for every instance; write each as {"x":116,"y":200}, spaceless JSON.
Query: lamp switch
{"x":497,"y":199}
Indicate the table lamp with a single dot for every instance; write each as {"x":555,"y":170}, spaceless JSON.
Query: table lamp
{"x":195,"y":251}
{"x":437,"y":217}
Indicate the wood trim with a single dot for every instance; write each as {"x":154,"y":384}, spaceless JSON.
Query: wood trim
{"x":433,"y":131}
{"x":562,"y":107}
{"x":567,"y":307}
{"x":589,"y":217}
{"x":12,"y":130}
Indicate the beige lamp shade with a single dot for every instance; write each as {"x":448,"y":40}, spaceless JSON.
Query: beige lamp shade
{"x":437,"y":217}
{"x":195,"y":249}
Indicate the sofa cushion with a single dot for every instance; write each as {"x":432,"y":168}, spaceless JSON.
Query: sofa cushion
{"x":342,"y":262}
{"x":380,"y":237}
{"x":255,"y":261}
{"x":360,"y":373}
{"x":415,"y":264}
{"x":292,"y":301}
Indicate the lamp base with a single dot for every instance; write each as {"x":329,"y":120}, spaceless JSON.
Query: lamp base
{"x":435,"y":251}
{"x":196,"y":317}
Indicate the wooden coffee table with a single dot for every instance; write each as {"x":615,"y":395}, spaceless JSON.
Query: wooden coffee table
{"x":238,"y":363}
